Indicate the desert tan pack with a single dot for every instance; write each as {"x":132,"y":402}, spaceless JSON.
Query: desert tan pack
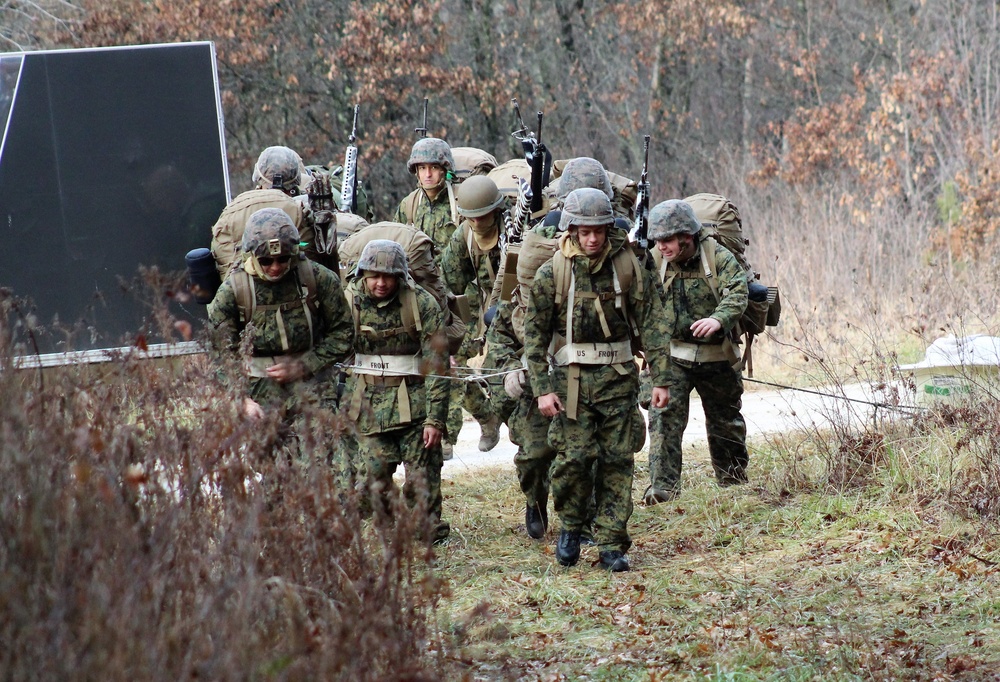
{"x":227,"y":233}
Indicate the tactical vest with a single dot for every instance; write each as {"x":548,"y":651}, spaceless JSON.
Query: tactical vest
{"x":625,"y":269}
{"x":388,"y":370}
{"x":245,"y":293}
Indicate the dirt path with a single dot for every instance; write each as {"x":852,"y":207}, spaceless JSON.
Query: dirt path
{"x":765,"y":411}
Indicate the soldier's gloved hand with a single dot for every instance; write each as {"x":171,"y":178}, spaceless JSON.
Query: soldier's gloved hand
{"x":513,"y":384}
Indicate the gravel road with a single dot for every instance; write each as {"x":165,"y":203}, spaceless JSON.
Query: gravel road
{"x":765,"y":411}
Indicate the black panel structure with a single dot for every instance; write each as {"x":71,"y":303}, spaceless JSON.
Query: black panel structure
{"x":110,"y":159}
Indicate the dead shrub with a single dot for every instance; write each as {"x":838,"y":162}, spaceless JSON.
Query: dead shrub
{"x":141,"y":537}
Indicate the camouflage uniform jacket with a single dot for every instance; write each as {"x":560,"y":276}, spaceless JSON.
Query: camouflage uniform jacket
{"x":433,"y":218}
{"x":469,"y":270}
{"x":689,"y":297}
{"x":332,"y":330}
{"x":544,"y":321}
{"x":428,"y":397}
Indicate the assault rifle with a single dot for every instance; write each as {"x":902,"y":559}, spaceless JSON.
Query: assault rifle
{"x":422,"y":131}
{"x":641,"y":229}
{"x":539,"y":158}
{"x":349,"y":185}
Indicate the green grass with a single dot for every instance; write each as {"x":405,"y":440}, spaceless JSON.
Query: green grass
{"x":883,"y":580}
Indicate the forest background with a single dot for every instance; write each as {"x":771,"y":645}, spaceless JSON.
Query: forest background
{"x":858,"y":138}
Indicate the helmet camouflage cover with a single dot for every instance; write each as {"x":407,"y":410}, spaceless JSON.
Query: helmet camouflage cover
{"x":281,"y":168}
{"x":670,"y":218}
{"x":383,"y":256}
{"x":478,"y":196}
{"x":586,"y":206}
{"x":270,"y":232}
{"x":431,"y":150}
{"x":584,"y":172}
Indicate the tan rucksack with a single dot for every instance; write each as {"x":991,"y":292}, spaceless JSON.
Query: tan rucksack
{"x":471,"y":161}
{"x":420,"y":251}
{"x":227,"y":233}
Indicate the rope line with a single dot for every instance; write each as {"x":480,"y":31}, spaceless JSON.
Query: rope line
{"x":887,"y":406}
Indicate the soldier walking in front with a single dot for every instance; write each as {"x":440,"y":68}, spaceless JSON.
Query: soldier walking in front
{"x":398,"y":389}
{"x":587,"y":305}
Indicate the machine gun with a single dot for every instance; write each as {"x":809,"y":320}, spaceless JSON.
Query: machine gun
{"x":539,"y":158}
{"x":349,"y":186}
{"x":641,"y":229}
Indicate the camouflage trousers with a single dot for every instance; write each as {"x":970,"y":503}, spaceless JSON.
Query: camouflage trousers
{"x":469,"y":395}
{"x":529,"y":430}
{"x":596,"y":457}
{"x":382,"y":453}
{"x":721,"y":390}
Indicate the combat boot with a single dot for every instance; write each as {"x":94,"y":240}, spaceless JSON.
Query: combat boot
{"x":614,"y":561}
{"x":568,"y":547}
{"x":658,"y":495}
{"x":447,"y":451}
{"x":491,"y":434}
{"x":536,"y":520}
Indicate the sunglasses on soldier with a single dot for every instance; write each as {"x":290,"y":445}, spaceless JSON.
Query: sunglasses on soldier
{"x":268,"y":261}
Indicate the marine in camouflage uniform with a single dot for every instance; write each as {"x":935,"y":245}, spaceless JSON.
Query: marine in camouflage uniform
{"x":528,"y":428}
{"x":701,"y":354}
{"x":398,"y":390}
{"x":469,"y":265}
{"x":593,"y":374}
{"x":295,"y":341}
{"x":431,"y":207}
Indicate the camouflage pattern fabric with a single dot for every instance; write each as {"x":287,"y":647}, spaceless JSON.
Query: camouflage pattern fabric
{"x":690,"y":298}
{"x":528,"y":428}
{"x":472,"y":274}
{"x":433,"y":218}
{"x":595,"y":452}
{"x":384,"y":440}
{"x":428,"y":397}
{"x":383,"y":453}
{"x":332,"y":338}
{"x":720,"y":388}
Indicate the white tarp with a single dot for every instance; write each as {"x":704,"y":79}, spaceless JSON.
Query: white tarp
{"x":965,"y":351}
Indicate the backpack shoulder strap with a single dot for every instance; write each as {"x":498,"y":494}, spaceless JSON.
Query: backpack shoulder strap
{"x":245,"y":294}
{"x":355,"y":313}
{"x":307,"y":279}
{"x":411,"y":313}
{"x":410,"y":205}
{"x":710,"y":268}
{"x":562,"y":272}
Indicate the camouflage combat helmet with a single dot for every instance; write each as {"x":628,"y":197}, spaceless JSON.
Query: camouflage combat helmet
{"x":430,"y":150}
{"x":586,"y":206}
{"x":384,"y":256}
{"x":584,"y":172}
{"x":281,"y":168}
{"x":478,"y":196}
{"x":270,"y":232}
{"x":670,"y":218}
